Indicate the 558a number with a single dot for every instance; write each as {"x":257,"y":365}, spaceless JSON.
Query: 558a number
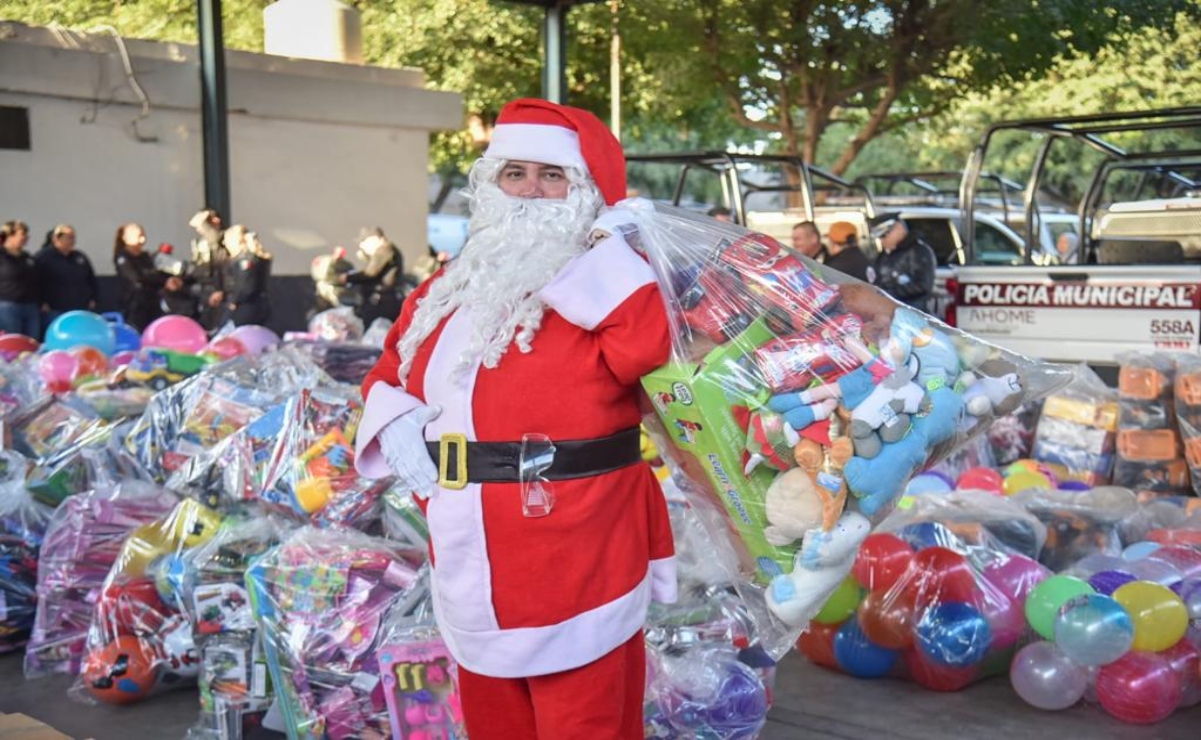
{"x":1173,"y":327}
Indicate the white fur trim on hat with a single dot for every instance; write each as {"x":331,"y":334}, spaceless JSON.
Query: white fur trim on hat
{"x":536,"y":142}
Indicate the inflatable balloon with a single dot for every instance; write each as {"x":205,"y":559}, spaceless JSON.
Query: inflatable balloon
{"x":13,"y":346}
{"x":887,"y":618}
{"x":858,"y":655}
{"x":980,"y":479}
{"x":1093,"y":630}
{"x":256,"y":339}
{"x":90,"y":363}
{"x":125,"y":337}
{"x":224,"y":348}
{"x":178,"y":333}
{"x":817,"y":644}
{"x":841,"y":604}
{"x":1159,"y":615}
{"x":1046,"y":678}
{"x":881,"y":560}
{"x":1140,"y":688}
{"x":954,"y":634}
{"x":57,"y":369}
{"x":76,"y":328}
{"x":1048,"y":597}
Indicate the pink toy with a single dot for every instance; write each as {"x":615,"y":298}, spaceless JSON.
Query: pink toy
{"x":177,"y":333}
{"x":421,"y":687}
{"x":57,"y":369}
{"x":256,"y":339}
{"x":225,"y":348}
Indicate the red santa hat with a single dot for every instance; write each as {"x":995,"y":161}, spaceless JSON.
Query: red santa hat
{"x":533,"y":130}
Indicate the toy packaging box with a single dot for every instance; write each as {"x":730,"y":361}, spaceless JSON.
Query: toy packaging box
{"x":421,"y":683}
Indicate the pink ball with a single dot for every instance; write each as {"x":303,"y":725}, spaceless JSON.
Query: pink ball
{"x":1184,"y":559}
{"x":256,"y":339}
{"x":57,"y":369}
{"x":1140,"y":688}
{"x":1015,"y":576}
{"x":226,"y":347}
{"x":177,"y":333}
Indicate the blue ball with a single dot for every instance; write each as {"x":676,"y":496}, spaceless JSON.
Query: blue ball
{"x":858,"y":655}
{"x":930,"y":534}
{"x":79,"y":328}
{"x":125,"y":337}
{"x":1093,"y":630}
{"x":954,"y":634}
{"x":927,"y":483}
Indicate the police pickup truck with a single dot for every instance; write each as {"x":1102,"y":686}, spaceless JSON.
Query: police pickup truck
{"x":1133,"y":279}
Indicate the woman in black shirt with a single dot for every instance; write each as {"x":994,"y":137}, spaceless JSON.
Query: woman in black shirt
{"x":20,"y":293}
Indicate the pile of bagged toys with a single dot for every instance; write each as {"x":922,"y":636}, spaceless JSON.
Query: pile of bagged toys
{"x":845,"y":475}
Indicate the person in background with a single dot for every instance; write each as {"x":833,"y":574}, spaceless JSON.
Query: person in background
{"x":179,"y":300}
{"x":432,"y":261}
{"x":20,"y":292}
{"x":906,"y":263}
{"x":329,"y":291}
{"x":247,"y":270}
{"x":807,"y":240}
{"x":843,"y":252}
{"x":721,"y":214}
{"x":140,"y":280}
{"x":66,"y":275}
{"x":209,"y":260}
{"x":1066,"y":246}
{"x":381,"y":280}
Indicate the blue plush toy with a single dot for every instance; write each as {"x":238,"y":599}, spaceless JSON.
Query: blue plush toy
{"x":879,"y":480}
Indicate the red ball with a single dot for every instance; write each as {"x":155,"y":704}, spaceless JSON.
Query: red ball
{"x":980,"y":479}
{"x":937,"y":575}
{"x":1185,"y":659}
{"x":121,"y":672}
{"x":887,"y":618}
{"x":132,"y":607}
{"x":817,"y":644}
{"x":935,"y":676}
{"x":1140,"y":688}
{"x":881,"y":560}
{"x":13,"y":346}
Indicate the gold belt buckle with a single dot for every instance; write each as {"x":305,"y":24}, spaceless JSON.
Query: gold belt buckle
{"x":459,"y":440}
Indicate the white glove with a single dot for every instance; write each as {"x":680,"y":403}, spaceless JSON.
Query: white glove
{"x":403,"y":444}
{"x":622,"y":220}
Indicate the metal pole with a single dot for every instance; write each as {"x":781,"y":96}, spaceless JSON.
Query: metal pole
{"x":213,"y":109}
{"x":615,"y":74}
{"x":554,"y":42}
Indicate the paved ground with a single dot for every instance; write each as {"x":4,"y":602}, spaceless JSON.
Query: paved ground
{"x":810,"y":703}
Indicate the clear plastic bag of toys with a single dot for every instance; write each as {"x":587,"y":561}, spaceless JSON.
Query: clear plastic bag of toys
{"x":20,"y":385}
{"x":83,"y":540}
{"x":1077,"y":431}
{"x":196,"y":414}
{"x":1187,"y":391}
{"x":23,"y":522}
{"x":140,"y":640}
{"x":1150,"y":455}
{"x":51,"y":424}
{"x":420,"y":680}
{"x":297,"y":458}
{"x":1079,"y":523}
{"x":320,"y":599}
{"x":936,"y":595}
{"x":93,"y":458}
{"x":805,"y":399}
{"x":234,"y":690}
{"x":336,"y":325}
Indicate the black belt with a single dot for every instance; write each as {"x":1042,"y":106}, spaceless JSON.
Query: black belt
{"x":499,"y":462}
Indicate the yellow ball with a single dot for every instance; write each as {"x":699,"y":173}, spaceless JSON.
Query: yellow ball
{"x":1024,"y":479}
{"x":1160,"y":617}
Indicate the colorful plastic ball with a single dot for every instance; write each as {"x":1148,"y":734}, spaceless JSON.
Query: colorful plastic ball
{"x":936,"y":676}
{"x":841,"y":604}
{"x":938,"y":574}
{"x":75,"y":328}
{"x":1096,"y":563}
{"x":1140,"y":688}
{"x":1020,"y":466}
{"x":1185,"y":659}
{"x":125,"y":337}
{"x":178,"y":333}
{"x":981,"y":479}
{"x":1189,"y":592}
{"x":887,"y":618}
{"x":927,"y":483}
{"x":123,"y":358}
{"x":1046,"y":678}
{"x":858,"y":655}
{"x":121,"y":672}
{"x":225,"y":348}
{"x":1140,"y":550}
{"x":1108,"y":581}
{"x":1005,"y":616}
{"x":1184,"y":559}
{"x":712,"y":693}
{"x":1159,"y":615}
{"x":171,"y":576}
{"x":1016,"y":575}
{"x":817,"y":644}
{"x":1073,"y":485}
{"x":1093,"y":630}
{"x":1176,"y":536}
{"x":881,"y":560}
{"x":13,"y":346}
{"x":1047,"y":598}
{"x":954,"y":634}
{"x":256,"y":339}
{"x":57,"y":369}
{"x":921,"y":535}
{"x":91,"y":363}
{"x":1024,"y":480}
{"x":1153,"y":570}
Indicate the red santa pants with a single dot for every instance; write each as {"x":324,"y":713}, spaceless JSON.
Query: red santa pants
{"x":598,"y":701}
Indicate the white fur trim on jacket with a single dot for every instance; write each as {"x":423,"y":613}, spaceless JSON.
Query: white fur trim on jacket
{"x":592,"y":285}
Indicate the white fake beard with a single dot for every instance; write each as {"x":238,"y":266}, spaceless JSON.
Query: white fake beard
{"x":515,"y":247}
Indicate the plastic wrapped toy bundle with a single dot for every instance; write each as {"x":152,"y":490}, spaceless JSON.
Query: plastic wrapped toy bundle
{"x":1117,"y":631}
{"x":196,"y":414}
{"x":1077,"y":431}
{"x":234,"y":691}
{"x":710,"y":673}
{"x":936,"y":594}
{"x":420,"y":677}
{"x":297,"y":459}
{"x":82,"y":542}
{"x":1150,"y":455}
{"x":1012,"y":436}
{"x":20,"y":385}
{"x":1187,"y":391}
{"x":803,"y":400}
{"x":91,"y":459}
{"x":51,"y":424}
{"x":23,"y":523}
{"x":140,"y":639}
{"x":320,"y":599}
{"x":1079,"y":523}
{"x":403,"y":520}
{"x":336,"y":325}
{"x":346,"y":362}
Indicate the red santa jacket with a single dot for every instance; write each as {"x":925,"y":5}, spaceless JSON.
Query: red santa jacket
{"x":518,"y":596}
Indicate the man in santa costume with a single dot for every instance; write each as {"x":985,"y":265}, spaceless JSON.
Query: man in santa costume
{"x":537,"y":333}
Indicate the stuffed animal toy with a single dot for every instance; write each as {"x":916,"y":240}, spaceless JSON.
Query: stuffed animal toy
{"x":995,"y":388}
{"x":879,"y":480}
{"x":823,"y":562}
{"x":793,"y":507}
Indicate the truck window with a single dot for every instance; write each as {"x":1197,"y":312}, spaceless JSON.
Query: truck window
{"x":995,"y":248}
{"x":939,"y":234}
